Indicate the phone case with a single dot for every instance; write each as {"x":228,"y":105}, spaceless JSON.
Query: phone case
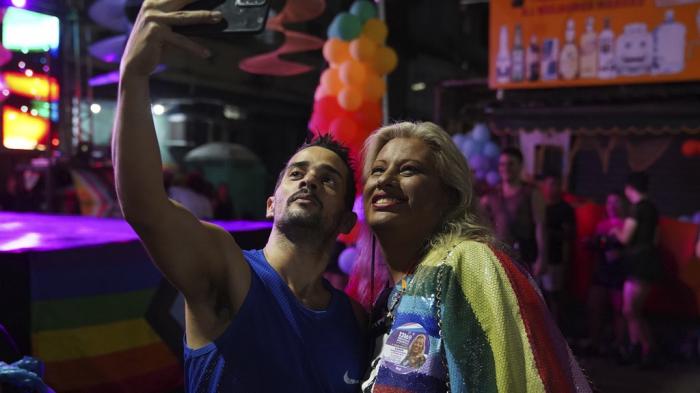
{"x":239,"y":16}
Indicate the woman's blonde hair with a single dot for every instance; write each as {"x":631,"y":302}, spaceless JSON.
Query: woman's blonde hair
{"x":462,"y":219}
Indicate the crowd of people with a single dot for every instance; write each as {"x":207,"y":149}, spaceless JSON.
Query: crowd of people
{"x":540,"y":226}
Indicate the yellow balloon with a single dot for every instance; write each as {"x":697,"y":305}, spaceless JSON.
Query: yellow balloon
{"x":336,"y":51}
{"x":352,"y":73}
{"x":363,"y":49}
{"x":330,"y":81}
{"x":376,"y":30}
{"x":385,"y":60}
{"x":350,"y":98}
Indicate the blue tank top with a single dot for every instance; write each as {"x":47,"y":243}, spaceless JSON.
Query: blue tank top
{"x":276,"y":344}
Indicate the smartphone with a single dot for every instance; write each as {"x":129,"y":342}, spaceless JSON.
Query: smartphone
{"x":239,"y":17}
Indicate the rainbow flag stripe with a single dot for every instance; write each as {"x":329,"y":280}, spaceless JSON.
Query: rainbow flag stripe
{"x":496,"y":331}
{"x":90,"y":322}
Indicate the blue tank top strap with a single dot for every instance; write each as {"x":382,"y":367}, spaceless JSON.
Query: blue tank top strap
{"x":272,"y":280}
{"x":275,"y":343}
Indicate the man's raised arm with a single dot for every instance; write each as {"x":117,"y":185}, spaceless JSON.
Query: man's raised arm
{"x":190,"y":253}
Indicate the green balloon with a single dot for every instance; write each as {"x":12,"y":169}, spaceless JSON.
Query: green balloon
{"x":364,"y":10}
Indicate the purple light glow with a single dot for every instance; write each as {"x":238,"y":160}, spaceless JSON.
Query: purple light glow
{"x":19,"y":3}
{"x":34,"y":232}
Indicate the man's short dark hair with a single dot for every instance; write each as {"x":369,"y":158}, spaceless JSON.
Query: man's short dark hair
{"x":639,"y":181}
{"x":513,"y":152}
{"x":327,"y":142}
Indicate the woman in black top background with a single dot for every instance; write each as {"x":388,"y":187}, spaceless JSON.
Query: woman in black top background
{"x":643,"y":266}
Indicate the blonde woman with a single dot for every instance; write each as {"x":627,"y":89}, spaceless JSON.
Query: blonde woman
{"x":485,"y":325}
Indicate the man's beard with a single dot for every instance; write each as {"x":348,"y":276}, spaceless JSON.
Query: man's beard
{"x":300,"y":220}
{"x":304,"y":225}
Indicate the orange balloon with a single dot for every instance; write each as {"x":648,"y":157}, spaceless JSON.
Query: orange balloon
{"x":350,"y":98}
{"x":336,"y":51}
{"x":385,"y":60}
{"x":376,"y":30}
{"x":352,"y":73}
{"x":374,"y":87}
{"x":330,"y":81}
{"x":363,"y":49}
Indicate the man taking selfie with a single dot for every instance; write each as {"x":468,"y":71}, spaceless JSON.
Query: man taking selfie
{"x":257,"y":320}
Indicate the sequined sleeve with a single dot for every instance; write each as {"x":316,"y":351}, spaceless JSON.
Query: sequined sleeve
{"x":497,"y":333}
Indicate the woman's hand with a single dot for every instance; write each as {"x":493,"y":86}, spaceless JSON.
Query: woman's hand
{"x":153,"y":31}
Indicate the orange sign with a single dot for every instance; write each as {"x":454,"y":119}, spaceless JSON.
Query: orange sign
{"x":568,"y":43}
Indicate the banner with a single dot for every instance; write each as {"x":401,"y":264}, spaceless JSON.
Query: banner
{"x":568,"y":43}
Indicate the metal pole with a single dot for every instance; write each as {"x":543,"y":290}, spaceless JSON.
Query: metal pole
{"x":76,"y":100}
{"x":87,"y":37}
{"x":381,"y":8}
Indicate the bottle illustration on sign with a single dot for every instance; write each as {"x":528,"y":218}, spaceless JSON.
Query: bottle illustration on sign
{"x":589,"y":52}
{"x":532,"y":60}
{"x":568,"y":59}
{"x":503,"y":57}
{"x":669,"y":46}
{"x":634,"y":50}
{"x":606,"y":52}
{"x":550,"y":53}
{"x":518,"y":57}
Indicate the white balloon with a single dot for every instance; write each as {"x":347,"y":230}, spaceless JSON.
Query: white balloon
{"x":347,"y":259}
{"x":469,"y":147}
{"x":481,"y":132}
{"x":696,"y":218}
{"x":358,"y":209}
{"x":458,"y":139}
{"x":491,"y":150}
{"x":493,"y":178}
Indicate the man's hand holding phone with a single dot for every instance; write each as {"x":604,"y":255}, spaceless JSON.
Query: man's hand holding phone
{"x":153,"y":30}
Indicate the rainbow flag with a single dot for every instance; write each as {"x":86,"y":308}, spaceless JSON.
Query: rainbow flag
{"x":92,"y":321}
{"x":493,"y":332}
{"x":95,"y":196}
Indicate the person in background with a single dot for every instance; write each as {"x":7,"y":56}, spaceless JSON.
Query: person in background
{"x":517,"y":211}
{"x":608,"y":278}
{"x":223,"y":206}
{"x":194,"y":200}
{"x":10,"y":198}
{"x":642,"y":264}
{"x":561,"y":234}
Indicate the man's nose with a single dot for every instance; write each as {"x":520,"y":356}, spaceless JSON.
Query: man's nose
{"x":309,"y":181}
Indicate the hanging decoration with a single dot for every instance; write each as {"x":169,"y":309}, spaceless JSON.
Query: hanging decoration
{"x":347,"y":102}
{"x":294,"y":12}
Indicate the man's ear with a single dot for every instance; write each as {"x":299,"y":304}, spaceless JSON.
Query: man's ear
{"x":270,"y":209}
{"x":348,"y":222}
